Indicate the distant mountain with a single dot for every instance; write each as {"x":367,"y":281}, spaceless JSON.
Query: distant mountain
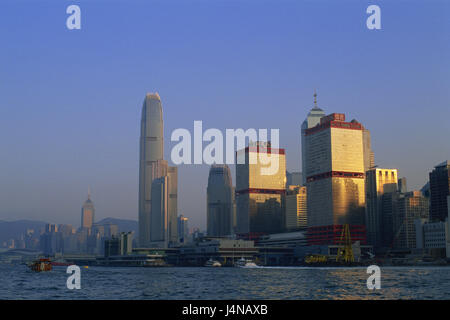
{"x":14,"y":229}
{"x":124,"y":225}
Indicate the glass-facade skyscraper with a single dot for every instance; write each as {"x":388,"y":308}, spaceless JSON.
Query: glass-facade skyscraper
{"x":219,"y":210}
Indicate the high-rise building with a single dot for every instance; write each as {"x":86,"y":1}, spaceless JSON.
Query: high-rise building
{"x":409,"y":207}
{"x":219,"y":201}
{"x":295,"y":208}
{"x":378,"y":182}
{"x":335,"y":164}
{"x":402,"y":188}
{"x":87,"y":213}
{"x":158,"y":221}
{"x":183,"y":229}
{"x":151,"y":155}
{"x":259,"y":196}
{"x":294,"y":179}
{"x":439,"y":190}
{"x":311,"y":121}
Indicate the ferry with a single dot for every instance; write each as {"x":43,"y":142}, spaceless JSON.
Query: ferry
{"x":41,"y":265}
{"x":245,"y":263}
{"x":212,"y":263}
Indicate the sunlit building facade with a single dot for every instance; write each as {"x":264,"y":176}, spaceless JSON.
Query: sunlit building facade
{"x":295,"y":208}
{"x":258,"y":195}
{"x":311,"y":121}
{"x":335,"y":172}
{"x":87,"y":213}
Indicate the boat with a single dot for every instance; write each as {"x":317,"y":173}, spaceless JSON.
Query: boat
{"x":212,"y":263}
{"x":41,"y":265}
{"x":245,"y":263}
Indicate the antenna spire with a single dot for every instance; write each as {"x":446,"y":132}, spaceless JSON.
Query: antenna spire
{"x":89,"y":193}
{"x":315,"y":98}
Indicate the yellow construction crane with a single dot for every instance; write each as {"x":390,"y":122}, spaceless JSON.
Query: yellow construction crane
{"x":345,"y":250}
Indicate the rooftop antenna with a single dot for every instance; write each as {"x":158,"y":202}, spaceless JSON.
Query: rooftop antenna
{"x":315,"y":98}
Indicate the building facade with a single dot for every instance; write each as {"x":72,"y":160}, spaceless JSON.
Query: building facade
{"x":259,"y":196}
{"x":87,"y":213}
{"x":311,"y":121}
{"x":151,"y":154}
{"x":219,"y":201}
{"x":295,"y":208}
{"x":439,"y":190}
{"x":408,"y":208}
{"x":378,"y":182}
{"x":335,"y":171}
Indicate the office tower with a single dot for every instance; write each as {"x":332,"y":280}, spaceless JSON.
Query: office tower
{"x":402,"y":188}
{"x":219,"y":201}
{"x":172,"y":174}
{"x":311,"y":120}
{"x":159,"y":232}
{"x":378,"y":182}
{"x":295,"y":208}
{"x":259,"y":196}
{"x":409,"y":207}
{"x":183,"y":229}
{"x":439,"y":190}
{"x":151,"y":155}
{"x":334,"y":171}
{"x":87,"y":213}
{"x":125,"y":243}
{"x":294,"y":179}
{"x":368,"y":155}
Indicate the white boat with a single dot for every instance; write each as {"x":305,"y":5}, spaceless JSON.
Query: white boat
{"x":212,"y":263}
{"x":244,"y":263}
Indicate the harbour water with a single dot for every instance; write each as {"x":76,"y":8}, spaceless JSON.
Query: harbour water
{"x":18,"y":282}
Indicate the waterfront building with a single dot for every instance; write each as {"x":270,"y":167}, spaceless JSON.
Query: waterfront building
{"x":295,"y":208}
{"x":219,"y":201}
{"x":439,"y":190}
{"x":335,"y":172}
{"x":378,"y":182}
{"x":158,"y":228}
{"x":87,"y":213}
{"x":151,"y":152}
{"x":408,"y":208}
{"x":183,"y":229}
{"x":259,"y":196}
{"x":311,"y":121}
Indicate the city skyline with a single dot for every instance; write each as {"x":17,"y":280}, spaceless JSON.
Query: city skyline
{"x":100,"y":123}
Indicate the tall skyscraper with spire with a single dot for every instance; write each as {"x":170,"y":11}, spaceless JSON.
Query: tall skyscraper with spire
{"x":157,"y":208}
{"x":87,"y":212}
{"x":311,"y":120}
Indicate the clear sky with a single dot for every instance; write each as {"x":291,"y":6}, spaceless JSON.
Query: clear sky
{"x":70,"y":100}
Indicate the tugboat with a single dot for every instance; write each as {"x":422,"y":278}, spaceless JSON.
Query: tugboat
{"x":212,"y":263}
{"x":41,"y":265}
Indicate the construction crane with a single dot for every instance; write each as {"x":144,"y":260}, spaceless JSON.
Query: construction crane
{"x":345,"y":251}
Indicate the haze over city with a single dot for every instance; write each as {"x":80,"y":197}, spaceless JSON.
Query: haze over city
{"x":70,"y":102}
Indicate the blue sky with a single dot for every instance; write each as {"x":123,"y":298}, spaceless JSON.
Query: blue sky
{"x":70,"y":100}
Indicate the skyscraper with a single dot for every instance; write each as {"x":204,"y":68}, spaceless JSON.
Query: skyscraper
{"x":409,"y":207}
{"x":87,"y":213}
{"x":258,"y":196}
{"x":183,"y":229}
{"x":335,"y":170}
{"x":159,"y":226}
{"x":378,"y":182}
{"x":439,"y":190}
{"x":296,"y":213}
{"x":311,"y":120}
{"x":219,"y":201}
